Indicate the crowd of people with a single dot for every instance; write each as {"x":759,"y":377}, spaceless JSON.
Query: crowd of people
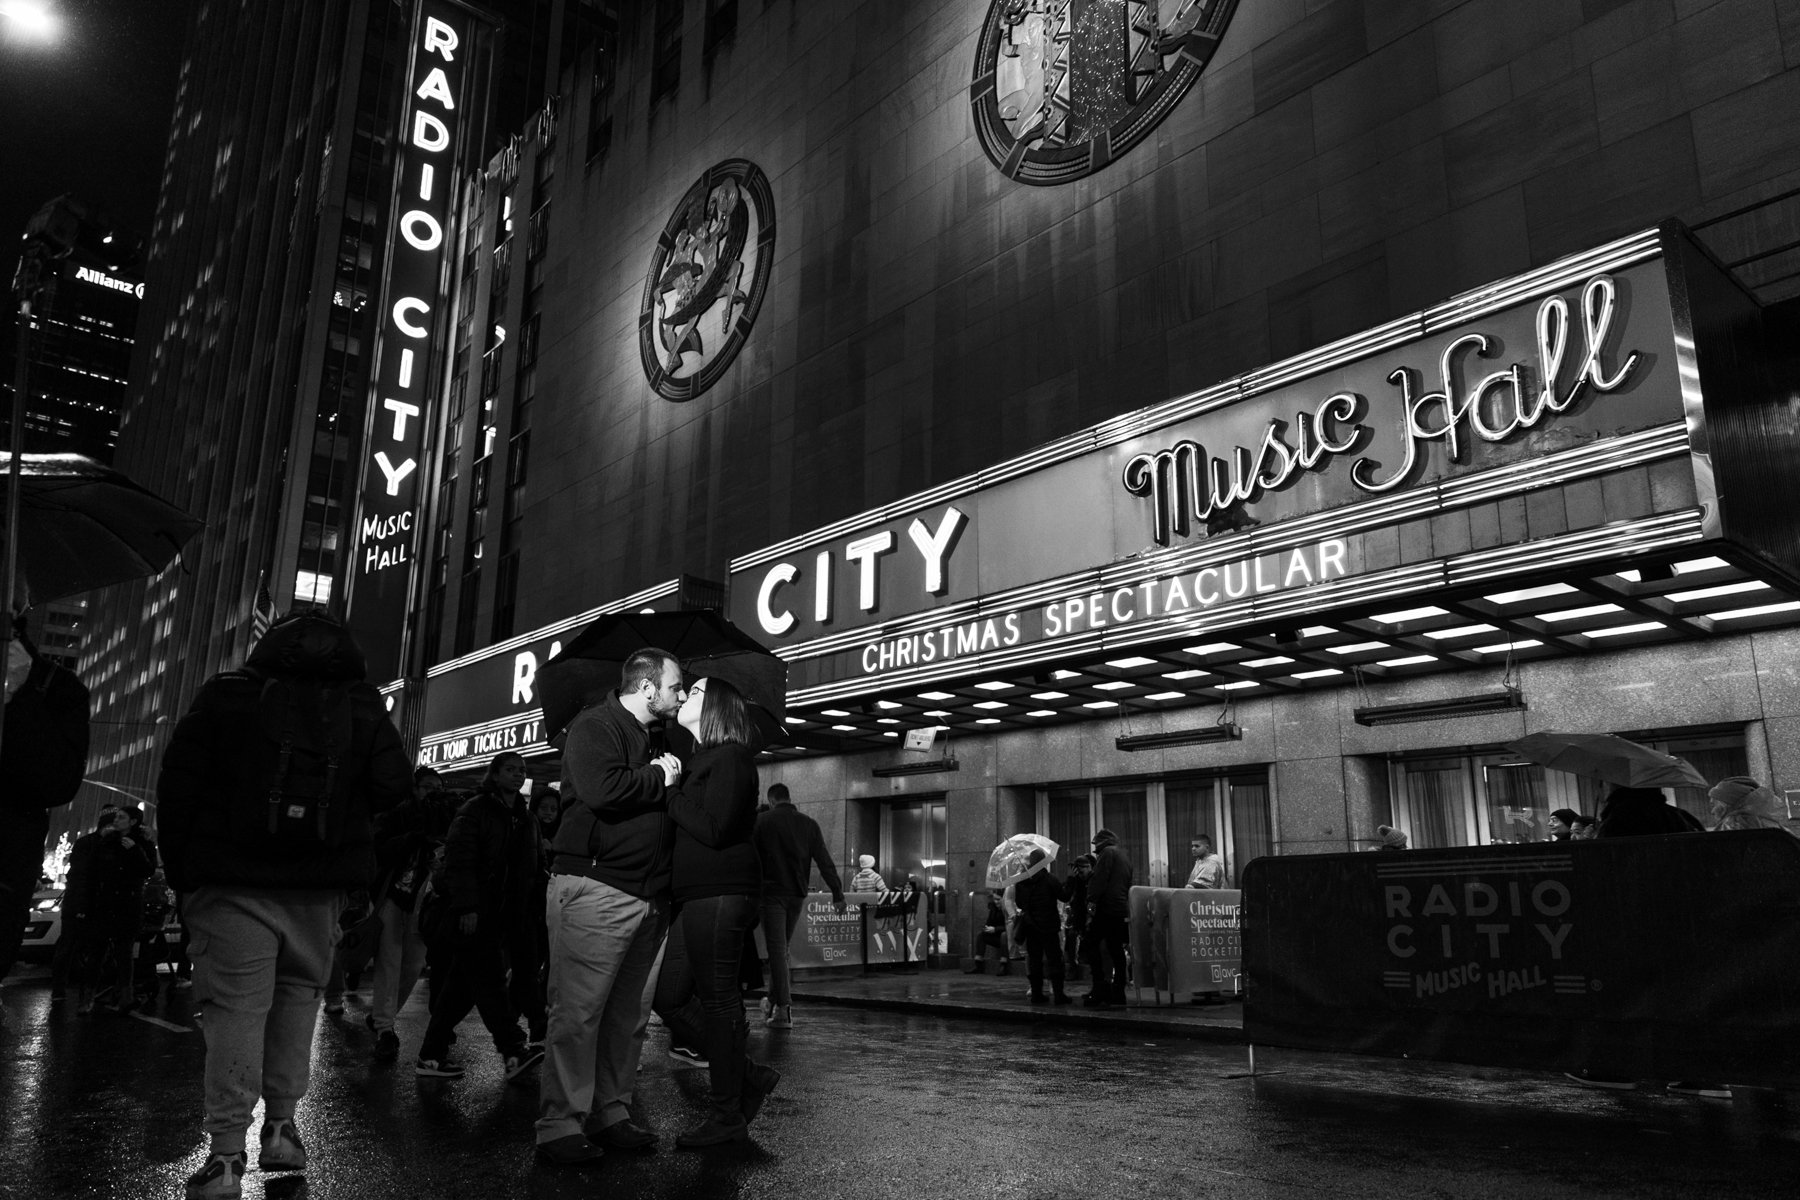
{"x":307,"y":853}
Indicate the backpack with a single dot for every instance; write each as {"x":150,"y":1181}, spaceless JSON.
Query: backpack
{"x":302,"y":807}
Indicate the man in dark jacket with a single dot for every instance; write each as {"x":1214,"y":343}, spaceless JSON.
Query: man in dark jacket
{"x":407,"y":839}
{"x":266,"y":806}
{"x":488,"y":881}
{"x":609,"y":911}
{"x":1109,"y":912}
{"x":790,"y":844}
{"x":43,"y":755}
{"x":1040,"y":922}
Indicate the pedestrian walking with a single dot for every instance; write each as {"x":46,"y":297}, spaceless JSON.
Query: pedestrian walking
{"x":266,"y":803}
{"x":716,"y":884}
{"x":789,"y":844}
{"x":1075,"y":889}
{"x":488,"y":881}
{"x":409,"y":838}
{"x":993,"y":936}
{"x":608,"y":912}
{"x":43,"y":755}
{"x":1040,"y":923}
{"x":1109,"y":911}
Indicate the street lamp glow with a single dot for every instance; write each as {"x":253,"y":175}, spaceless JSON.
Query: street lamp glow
{"x":30,"y":20}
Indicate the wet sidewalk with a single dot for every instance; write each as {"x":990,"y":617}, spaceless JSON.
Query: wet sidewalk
{"x":948,"y":992}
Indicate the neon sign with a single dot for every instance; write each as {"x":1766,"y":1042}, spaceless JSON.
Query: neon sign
{"x":102,"y":279}
{"x":1187,"y":489}
{"x":387,"y":525}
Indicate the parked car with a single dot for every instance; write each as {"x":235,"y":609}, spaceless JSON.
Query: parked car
{"x":43,"y":925}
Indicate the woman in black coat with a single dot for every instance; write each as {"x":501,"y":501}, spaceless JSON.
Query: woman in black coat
{"x":717,"y":879}
{"x":488,"y":880}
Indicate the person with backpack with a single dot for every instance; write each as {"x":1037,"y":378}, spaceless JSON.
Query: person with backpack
{"x":488,"y":881}
{"x":266,"y":806}
{"x":43,"y":755}
{"x":408,"y":840}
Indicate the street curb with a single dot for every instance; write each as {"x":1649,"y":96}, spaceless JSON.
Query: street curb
{"x":1093,"y":1022}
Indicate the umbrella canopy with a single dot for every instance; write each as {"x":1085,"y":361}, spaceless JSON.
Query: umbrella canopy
{"x":1607,"y":758}
{"x":705,"y":643}
{"x":83,"y":525}
{"x":1011,"y":859}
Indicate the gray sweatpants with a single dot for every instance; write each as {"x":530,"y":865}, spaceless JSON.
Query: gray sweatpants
{"x":260,"y":962}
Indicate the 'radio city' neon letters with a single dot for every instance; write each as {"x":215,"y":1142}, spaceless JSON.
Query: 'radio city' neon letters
{"x":395,"y":448}
{"x":934,"y":546}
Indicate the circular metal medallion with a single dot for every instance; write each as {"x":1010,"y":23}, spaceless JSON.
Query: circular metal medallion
{"x":1063,"y":87}
{"x":707,"y":279}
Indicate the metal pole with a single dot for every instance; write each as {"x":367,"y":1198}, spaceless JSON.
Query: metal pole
{"x":14,"y":478}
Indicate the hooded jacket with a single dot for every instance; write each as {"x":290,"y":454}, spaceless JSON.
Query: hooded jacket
{"x":1109,"y":890}
{"x":43,"y":752}
{"x":220,"y":759}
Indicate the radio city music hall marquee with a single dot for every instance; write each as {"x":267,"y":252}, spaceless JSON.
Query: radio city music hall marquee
{"x":1238,"y":500}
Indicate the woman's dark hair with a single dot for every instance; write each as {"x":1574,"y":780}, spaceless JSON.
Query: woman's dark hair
{"x":724,"y":717}
{"x":492,"y":778}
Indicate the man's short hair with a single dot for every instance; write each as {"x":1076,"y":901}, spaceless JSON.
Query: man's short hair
{"x":778,"y":793}
{"x":1201,"y":837}
{"x":643,"y":666}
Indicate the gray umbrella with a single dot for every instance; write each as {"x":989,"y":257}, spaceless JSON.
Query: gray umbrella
{"x":83,"y":526}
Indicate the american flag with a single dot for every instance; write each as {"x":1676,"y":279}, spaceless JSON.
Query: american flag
{"x":262,"y":612}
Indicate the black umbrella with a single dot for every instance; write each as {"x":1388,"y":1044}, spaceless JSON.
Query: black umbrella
{"x":705,"y":643}
{"x":83,"y":525}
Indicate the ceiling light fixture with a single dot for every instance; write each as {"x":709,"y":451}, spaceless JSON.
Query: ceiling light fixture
{"x":1222,"y":732}
{"x":1507,"y":699}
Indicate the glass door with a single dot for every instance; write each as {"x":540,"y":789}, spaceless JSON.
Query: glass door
{"x":1433,"y":803}
{"x":915,"y":844}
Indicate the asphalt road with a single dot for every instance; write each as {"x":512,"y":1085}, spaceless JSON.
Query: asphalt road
{"x":883,"y":1105}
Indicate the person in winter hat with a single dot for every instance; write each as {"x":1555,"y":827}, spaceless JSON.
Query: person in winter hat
{"x":1742,"y":803}
{"x":867,"y":878}
{"x":266,"y":806}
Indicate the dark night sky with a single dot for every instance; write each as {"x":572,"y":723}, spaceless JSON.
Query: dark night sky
{"x":89,"y":114}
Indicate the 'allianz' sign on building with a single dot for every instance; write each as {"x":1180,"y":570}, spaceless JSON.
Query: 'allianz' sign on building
{"x":1263,"y":497}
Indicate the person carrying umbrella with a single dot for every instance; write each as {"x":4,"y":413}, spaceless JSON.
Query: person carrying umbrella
{"x":43,"y":756}
{"x":1037,"y":895}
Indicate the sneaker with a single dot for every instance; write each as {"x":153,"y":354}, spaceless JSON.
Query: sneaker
{"x":524,"y":1060}
{"x":687,"y":1057}
{"x":184,"y":981}
{"x":438,"y":1068}
{"x":387,"y":1046}
{"x":781,"y":1016}
{"x":334,"y":1008}
{"x":571,"y":1151}
{"x":222,"y":1178}
{"x":1583,"y":1079}
{"x":281,"y":1148}
{"x":1712,"y":1091}
{"x":768,"y":1006}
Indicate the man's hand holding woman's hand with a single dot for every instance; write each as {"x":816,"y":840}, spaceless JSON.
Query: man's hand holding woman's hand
{"x":671,"y":768}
